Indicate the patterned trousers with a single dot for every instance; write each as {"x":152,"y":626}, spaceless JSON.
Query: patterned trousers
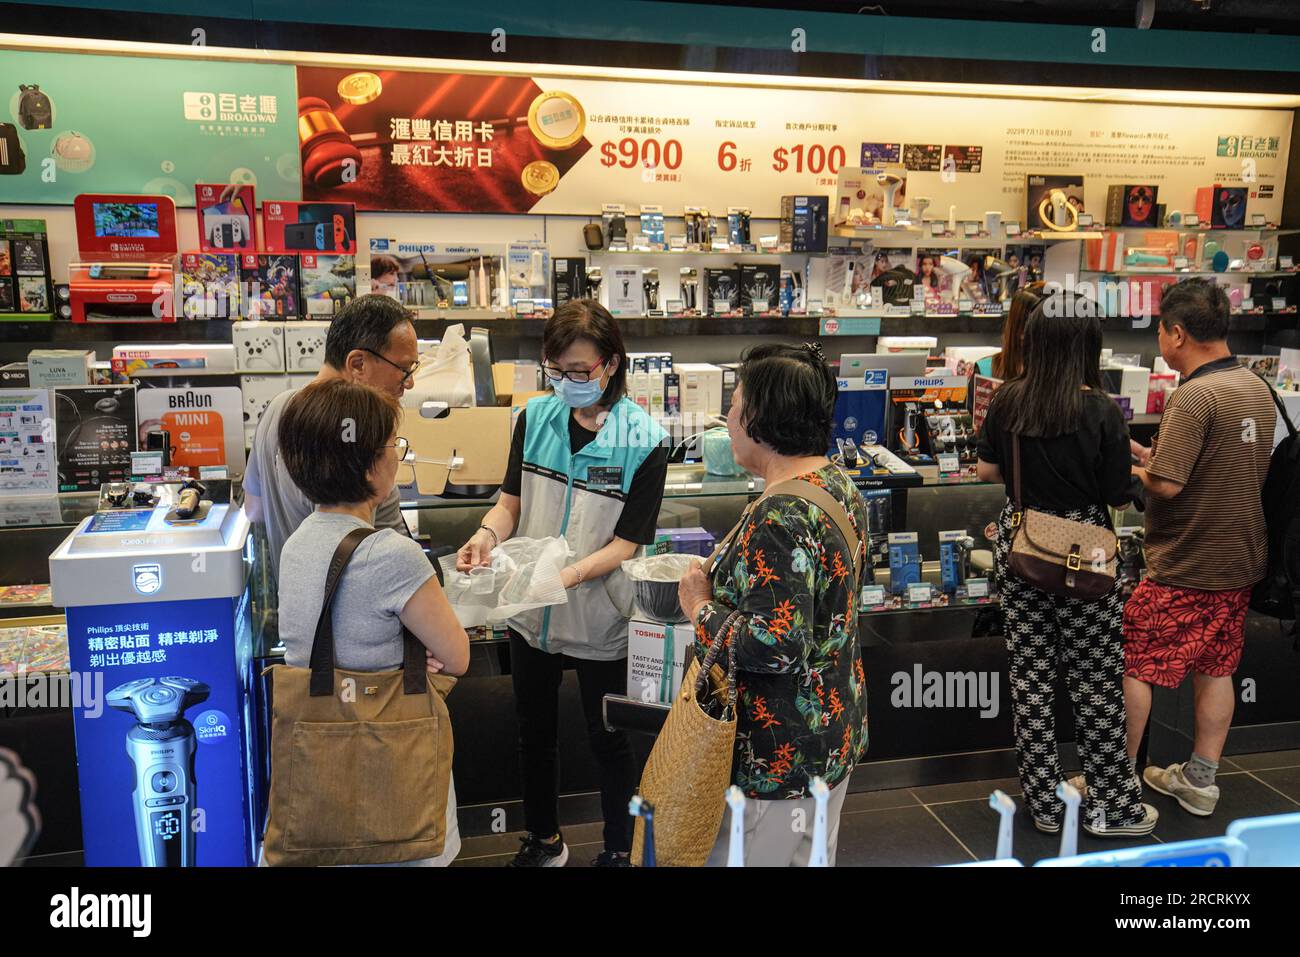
{"x":1046,"y":633}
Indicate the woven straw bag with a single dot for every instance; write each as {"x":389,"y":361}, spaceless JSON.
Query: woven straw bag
{"x":1059,"y":555}
{"x":689,"y":767}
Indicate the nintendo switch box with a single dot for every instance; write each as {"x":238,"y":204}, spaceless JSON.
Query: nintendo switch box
{"x":270,"y":286}
{"x":227,"y":217}
{"x":292,"y":227}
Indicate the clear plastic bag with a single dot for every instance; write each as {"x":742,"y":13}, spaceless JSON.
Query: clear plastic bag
{"x":524,"y":575}
{"x":447,"y":377}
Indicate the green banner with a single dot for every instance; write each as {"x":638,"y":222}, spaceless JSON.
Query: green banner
{"x":79,"y":123}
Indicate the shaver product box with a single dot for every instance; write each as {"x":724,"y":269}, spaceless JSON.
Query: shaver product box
{"x":1222,"y":207}
{"x":205,"y":426}
{"x":613,"y":218}
{"x":210,"y":286}
{"x":860,"y":405}
{"x":1039,"y":187}
{"x":953,"y":549}
{"x":328,"y":283}
{"x":95,"y":428}
{"x":804,"y":223}
{"x":904,"y":561}
{"x":722,"y":286}
{"x":227,"y":217}
{"x":259,"y":346}
{"x":569,"y":280}
{"x":270,"y":286}
{"x":291,"y":227}
{"x":759,"y":287}
{"x":50,"y":368}
{"x":1132,"y":205}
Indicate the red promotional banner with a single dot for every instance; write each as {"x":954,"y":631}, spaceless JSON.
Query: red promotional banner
{"x":435,"y":142}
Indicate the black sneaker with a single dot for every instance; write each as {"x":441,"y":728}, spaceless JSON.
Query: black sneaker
{"x":612,"y":859}
{"x":538,"y":853}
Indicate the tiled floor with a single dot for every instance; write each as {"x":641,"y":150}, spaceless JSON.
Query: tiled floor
{"x":953,"y":823}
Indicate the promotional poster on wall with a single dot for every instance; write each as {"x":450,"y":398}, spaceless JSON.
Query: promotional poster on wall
{"x":94,"y":427}
{"x":26,"y":443}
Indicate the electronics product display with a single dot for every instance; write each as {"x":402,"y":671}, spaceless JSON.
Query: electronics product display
{"x":1053,"y":202}
{"x":128,"y":246}
{"x":289,"y":226}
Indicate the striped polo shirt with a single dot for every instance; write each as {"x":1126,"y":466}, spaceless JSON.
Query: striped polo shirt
{"x":1216,"y":437}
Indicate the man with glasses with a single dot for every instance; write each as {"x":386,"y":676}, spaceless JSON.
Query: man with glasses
{"x":371,"y":342}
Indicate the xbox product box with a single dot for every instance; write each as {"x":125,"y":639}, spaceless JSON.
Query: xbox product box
{"x":210,"y":285}
{"x":804,"y":223}
{"x":328,"y":282}
{"x":96,"y":433}
{"x":26,"y":289}
{"x":723,"y":289}
{"x":227,"y":215}
{"x":13,"y":375}
{"x":270,"y":286}
{"x":292,"y":227}
{"x":759,"y":288}
{"x":48,"y":368}
{"x":1039,"y":187}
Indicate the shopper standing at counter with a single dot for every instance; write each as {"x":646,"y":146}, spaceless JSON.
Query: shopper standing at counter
{"x":1074,"y":461}
{"x":791,"y":572}
{"x":388,"y":586}
{"x":1206,"y":541}
{"x":588,"y":464}
{"x":371,"y":342}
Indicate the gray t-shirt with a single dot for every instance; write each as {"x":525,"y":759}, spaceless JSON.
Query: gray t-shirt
{"x":284,"y":506}
{"x":385,"y":571}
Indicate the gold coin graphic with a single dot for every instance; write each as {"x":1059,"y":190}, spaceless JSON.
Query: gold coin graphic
{"x":540,"y":177}
{"x":556,"y":119}
{"x":360,"y":88}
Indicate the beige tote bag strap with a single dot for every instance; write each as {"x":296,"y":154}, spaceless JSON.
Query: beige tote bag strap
{"x":829,"y":504}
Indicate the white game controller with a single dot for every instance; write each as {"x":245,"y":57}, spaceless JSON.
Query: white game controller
{"x":304,"y":345}
{"x":227,"y":232}
{"x":259,"y":346}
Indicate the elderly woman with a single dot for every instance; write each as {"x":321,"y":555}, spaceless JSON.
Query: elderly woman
{"x":790,"y":571}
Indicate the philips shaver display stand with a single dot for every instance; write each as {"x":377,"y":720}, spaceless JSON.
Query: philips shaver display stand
{"x":155,"y":588}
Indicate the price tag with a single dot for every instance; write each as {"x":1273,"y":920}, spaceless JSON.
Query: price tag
{"x":988,"y":309}
{"x":677,"y":243}
{"x":763,"y":305}
{"x":949,"y":463}
{"x":977,"y":588}
{"x":1257,"y":219}
{"x":1279,"y":303}
{"x":971,"y":229}
{"x":938,"y":228}
{"x":1085,"y":220}
{"x":898,"y":309}
{"x":1013,"y":229}
{"x":1247,"y":304}
{"x":917,"y":308}
{"x":814,"y":306}
{"x":1191,"y":220}
{"x":722,"y":306}
{"x":939,"y":309}
{"x":674,"y":306}
{"x":965,"y":305}
{"x":873,"y":596}
{"x":524,"y":307}
{"x":1286,"y":262}
{"x":920,"y":592}
{"x":1180,"y":262}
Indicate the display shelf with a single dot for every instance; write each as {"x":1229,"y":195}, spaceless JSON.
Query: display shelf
{"x":730,"y":251}
{"x":47,"y":511}
{"x":1193,"y":272}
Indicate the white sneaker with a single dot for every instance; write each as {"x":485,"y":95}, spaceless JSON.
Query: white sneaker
{"x":1173,"y":782}
{"x":1137,"y":829}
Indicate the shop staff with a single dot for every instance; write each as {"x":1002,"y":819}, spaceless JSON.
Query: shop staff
{"x":371,"y":342}
{"x":588,"y":464}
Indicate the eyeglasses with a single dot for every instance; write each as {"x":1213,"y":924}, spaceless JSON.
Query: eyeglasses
{"x":406,"y":373}
{"x":580,"y":375}
{"x":402,"y":447}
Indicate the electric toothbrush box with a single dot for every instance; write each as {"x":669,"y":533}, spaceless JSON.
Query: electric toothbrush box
{"x":528,"y":270}
{"x":904,"y":561}
{"x":292,"y":227}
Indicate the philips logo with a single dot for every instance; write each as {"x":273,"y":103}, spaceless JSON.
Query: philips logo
{"x":147,"y":579}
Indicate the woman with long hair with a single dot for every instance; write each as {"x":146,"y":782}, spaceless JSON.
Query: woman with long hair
{"x":1074,"y":461}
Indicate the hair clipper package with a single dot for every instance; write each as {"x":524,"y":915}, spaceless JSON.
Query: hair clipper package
{"x":271,"y":286}
{"x":904,"y":561}
{"x":759,"y":288}
{"x":912,"y":400}
{"x":328,"y":283}
{"x":723,"y":290}
{"x":954,"y":554}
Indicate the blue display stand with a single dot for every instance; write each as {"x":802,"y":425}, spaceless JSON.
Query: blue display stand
{"x":1208,"y":852}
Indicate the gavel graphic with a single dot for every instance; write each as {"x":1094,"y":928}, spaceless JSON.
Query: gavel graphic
{"x":329,"y":151}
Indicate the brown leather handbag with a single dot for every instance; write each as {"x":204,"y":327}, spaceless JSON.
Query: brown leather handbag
{"x":360,"y":760}
{"x":1059,"y":555}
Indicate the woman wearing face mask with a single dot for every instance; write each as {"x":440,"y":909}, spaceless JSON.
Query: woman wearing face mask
{"x":588,"y":464}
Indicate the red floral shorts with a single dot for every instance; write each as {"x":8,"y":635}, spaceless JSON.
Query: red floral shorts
{"x":1169,"y":631}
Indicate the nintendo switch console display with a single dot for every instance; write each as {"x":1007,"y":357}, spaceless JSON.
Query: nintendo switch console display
{"x":289,"y":227}
{"x":227,"y":220}
{"x":125,"y":226}
{"x":128,"y":268}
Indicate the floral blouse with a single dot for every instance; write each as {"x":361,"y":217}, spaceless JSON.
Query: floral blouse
{"x":802,"y":697}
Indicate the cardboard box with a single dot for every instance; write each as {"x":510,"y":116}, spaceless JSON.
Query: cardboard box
{"x":904,"y":561}
{"x":1131,"y":382}
{"x":692,"y":540}
{"x":167,"y":358}
{"x":759,"y":287}
{"x":860,"y":408}
{"x":722,"y":290}
{"x":656,"y":659}
{"x":227,"y":217}
{"x":701,"y":387}
{"x":210,"y":285}
{"x":1039,"y":187}
{"x":271,"y":286}
{"x":804,"y":223}
{"x":328,"y":282}
{"x":95,"y":428}
{"x":13,"y":375}
{"x":293,"y":227}
{"x":1160,"y":387}
{"x":1222,"y":207}
{"x":1132,"y":205}
{"x":49,"y":368}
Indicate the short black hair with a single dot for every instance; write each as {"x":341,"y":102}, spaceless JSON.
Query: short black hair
{"x":1200,"y":306}
{"x":789,"y":398}
{"x":588,"y":319}
{"x":364,"y":323}
{"x":331,"y":433}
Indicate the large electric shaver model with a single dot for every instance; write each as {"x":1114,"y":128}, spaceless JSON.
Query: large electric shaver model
{"x":161,"y":749}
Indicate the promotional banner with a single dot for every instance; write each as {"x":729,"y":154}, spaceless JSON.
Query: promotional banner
{"x":396,"y":140}
{"x":79,"y":123}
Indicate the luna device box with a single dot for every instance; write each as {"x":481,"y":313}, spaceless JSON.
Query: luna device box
{"x":210,"y":286}
{"x":328,"y":282}
{"x":227,"y":217}
{"x":292,"y":227}
{"x":904,"y":561}
{"x":270,"y":285}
